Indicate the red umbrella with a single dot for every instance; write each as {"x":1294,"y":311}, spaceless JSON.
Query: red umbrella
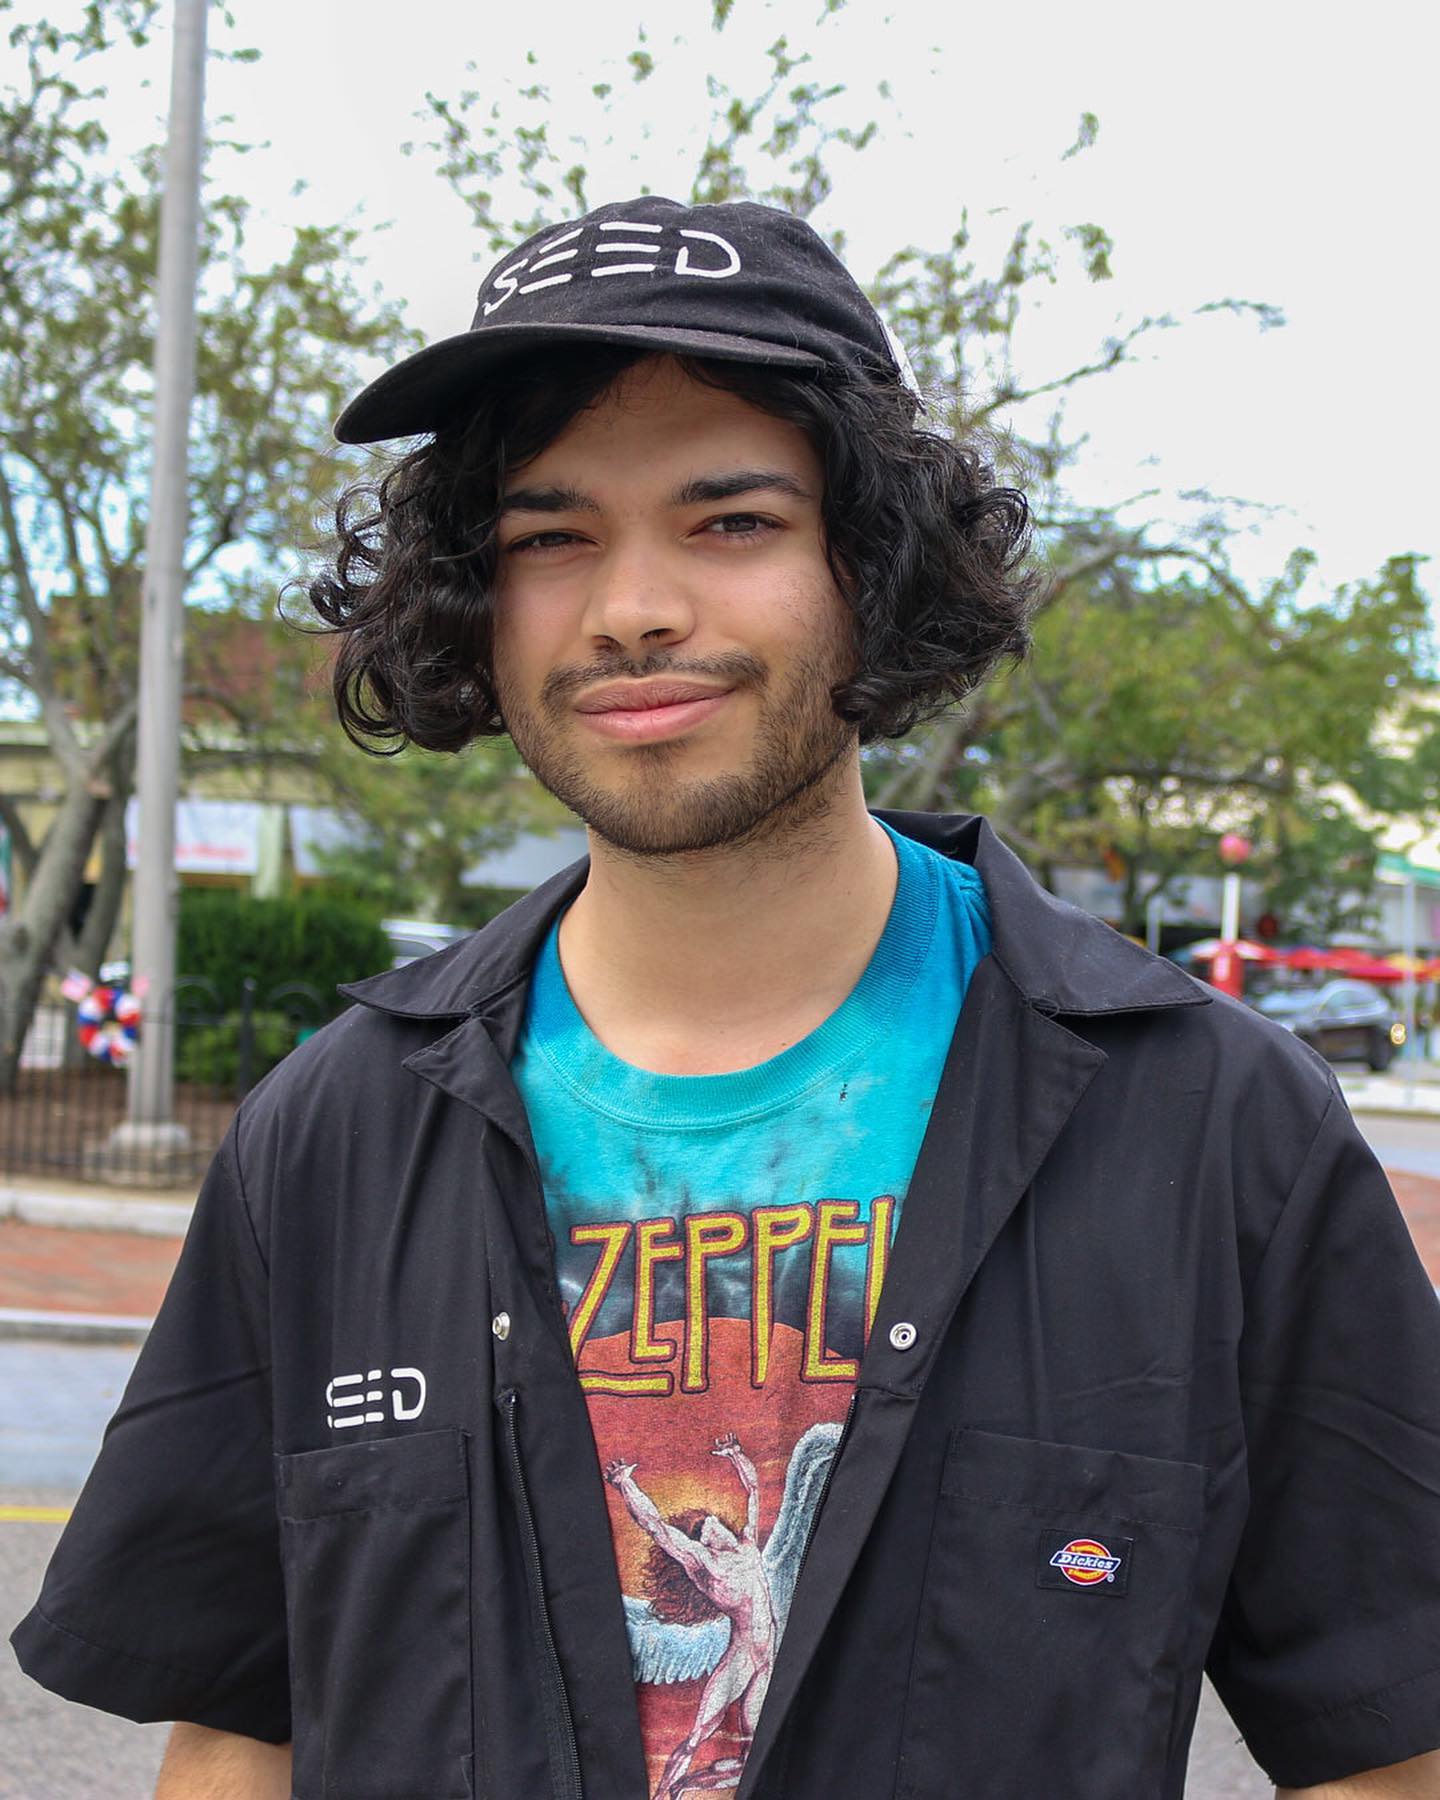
{"x":1361,"y":964}
{"x":1373,"y":968}
{"x":1307,"y":957}
{"x":1209,"y":948}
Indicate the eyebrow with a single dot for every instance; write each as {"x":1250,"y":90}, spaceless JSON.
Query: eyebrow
{"x":729,"y":486}
{"x":548,"y":500}
{"x":698,"y":491}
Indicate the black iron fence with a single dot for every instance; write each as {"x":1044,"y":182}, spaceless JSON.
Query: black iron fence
{"x":67,"y":1116}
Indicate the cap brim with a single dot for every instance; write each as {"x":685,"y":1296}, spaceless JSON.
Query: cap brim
{"x":431,"y":389}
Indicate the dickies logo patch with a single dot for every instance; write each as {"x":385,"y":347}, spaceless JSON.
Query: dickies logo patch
{"x":1085,"y":1561}
{"x":1076,"y":1560}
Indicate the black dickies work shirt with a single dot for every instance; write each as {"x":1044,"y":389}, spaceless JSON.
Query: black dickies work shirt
{"x":1171,"y":1401}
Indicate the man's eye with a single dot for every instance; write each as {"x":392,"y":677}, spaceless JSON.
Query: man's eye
{"x":541,"y":541}
{"x":740,"y":525}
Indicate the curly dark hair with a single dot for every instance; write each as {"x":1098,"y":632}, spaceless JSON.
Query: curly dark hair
{"x":928,"y":550}
{"x":673,"y":1596}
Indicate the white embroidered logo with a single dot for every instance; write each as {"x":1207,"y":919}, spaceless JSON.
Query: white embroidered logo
{"x":714,"y":259}
{"x":347,"y":1392}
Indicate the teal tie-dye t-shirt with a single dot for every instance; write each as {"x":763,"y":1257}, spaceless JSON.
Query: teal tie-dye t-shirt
{"x":720,"y":1243}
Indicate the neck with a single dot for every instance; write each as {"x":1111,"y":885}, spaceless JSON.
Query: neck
{"x":717,"y":960}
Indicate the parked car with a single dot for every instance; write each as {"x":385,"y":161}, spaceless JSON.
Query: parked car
{"x":410,"y":939}
{"x":1346,"y":1021}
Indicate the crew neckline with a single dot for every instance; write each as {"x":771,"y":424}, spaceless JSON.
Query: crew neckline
{"x":605,"y":1083}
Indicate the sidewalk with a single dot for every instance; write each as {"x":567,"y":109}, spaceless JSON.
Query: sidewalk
{"x":1408,"y":1089}
{"x":105,"y":1284}
{"x":1419,"y":1197}
{"x":90,"y":1263}
{"x":36,"y":1201}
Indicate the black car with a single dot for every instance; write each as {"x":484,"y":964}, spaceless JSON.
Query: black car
{"x":1346,"y":1021}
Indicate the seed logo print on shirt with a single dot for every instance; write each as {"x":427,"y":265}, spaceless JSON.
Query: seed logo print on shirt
{"x":721,"y":1243}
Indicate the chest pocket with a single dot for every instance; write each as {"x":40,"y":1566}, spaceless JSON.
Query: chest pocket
{"x":375,"y":1540}
{"x":1049,"y":1640}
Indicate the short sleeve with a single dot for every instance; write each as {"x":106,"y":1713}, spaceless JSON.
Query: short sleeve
{"x":164,"y":1598}
{"x":1328,"y":1651}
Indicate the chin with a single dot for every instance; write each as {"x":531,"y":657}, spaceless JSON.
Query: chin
{"x":667,"y":815}
{"x":647,"y":835}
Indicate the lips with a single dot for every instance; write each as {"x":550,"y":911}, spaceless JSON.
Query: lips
{"x":650,"y":712}
{"x":645,"y":696}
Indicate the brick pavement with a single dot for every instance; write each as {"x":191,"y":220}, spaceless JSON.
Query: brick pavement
{"x":119,"y":1272}
{"x":1419,"y":1197}
{"x":60,"y":1270}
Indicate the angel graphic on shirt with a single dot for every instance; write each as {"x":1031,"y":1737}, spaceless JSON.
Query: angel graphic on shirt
{"x":719,"y":1600}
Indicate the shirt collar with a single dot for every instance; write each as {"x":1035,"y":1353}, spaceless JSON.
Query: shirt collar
{"x":1062,"y":960}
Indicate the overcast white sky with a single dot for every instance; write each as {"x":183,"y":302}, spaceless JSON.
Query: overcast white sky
{"x":1271,"y":151}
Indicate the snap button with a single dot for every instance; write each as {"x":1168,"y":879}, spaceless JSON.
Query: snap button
{"x":902,"y":1336}
{"x":500,"y":1325}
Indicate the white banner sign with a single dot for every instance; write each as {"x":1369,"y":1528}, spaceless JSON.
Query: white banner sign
{"x":212,"y":837}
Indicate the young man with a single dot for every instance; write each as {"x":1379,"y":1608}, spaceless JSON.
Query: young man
{"x":789,"y":1309}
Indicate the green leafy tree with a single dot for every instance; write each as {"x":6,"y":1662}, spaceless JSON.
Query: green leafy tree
{"x":1155,"y":716}
{"x":1165,"y":703}
{"x":789,"y":137}
{"x":423,"y":820}
{"x":279,"y":347}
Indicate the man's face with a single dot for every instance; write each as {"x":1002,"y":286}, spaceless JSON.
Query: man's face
{"x":667,"y":628}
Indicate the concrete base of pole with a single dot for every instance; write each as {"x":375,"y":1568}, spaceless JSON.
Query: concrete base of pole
{"x":138,"y":1154}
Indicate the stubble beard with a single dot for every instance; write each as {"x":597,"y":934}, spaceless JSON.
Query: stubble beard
{"x":650,"y":808}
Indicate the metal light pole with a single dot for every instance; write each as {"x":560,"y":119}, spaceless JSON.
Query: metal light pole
{"x":1226,"y":971}
{"x":150,"y":1130}
{"x":1154,"y":921}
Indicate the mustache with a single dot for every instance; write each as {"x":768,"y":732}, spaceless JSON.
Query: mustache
{"x":735,"y":668}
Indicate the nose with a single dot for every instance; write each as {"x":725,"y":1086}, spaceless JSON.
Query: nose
{"x":637,"y":599}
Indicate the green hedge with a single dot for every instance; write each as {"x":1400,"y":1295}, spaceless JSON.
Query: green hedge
{"x":210,"y":1053}
{"x":225,"y":936}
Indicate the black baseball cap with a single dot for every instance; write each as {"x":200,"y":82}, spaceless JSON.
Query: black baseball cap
{"x":738,"y":281}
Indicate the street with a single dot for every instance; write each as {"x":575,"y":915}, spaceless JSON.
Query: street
{"x":55,"y":1398}
{"x":1409,"y":1144}
{"x":55,"y":1751}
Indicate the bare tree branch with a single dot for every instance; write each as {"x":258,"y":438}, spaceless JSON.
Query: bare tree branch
{"x":20,"y":839}
{"x":918,"y":782}
{"x":226,"y":532}
{"x":114,"y":730}
{"x":1116,"y":350}
{"x":1080,"y":566}
{"x":42,"y":678}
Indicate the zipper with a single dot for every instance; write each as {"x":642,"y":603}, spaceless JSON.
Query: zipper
{"x":559,"y":1724}
{"x":784,"y":1741}
{"x":824,"y":1492}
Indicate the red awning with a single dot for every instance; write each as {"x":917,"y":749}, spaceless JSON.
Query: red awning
{"x":1209,"y":948}
{"x":1360,"y":965}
